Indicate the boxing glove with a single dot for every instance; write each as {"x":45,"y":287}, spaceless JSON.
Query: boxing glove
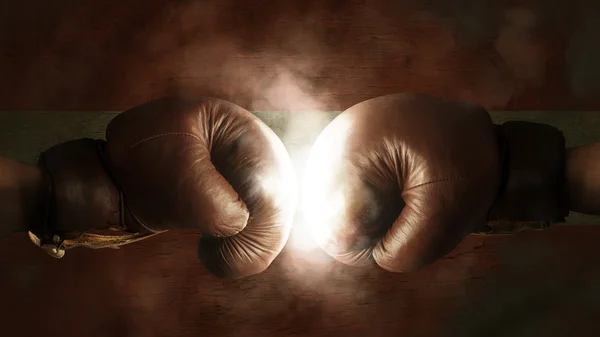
{"x":174,"y":163}
{"x":401,"y":179}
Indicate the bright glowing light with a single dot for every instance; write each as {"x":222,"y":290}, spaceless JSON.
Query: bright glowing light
{"x":322,"y":199}
{"x":282,"y":183}
{"x":321,"y":192}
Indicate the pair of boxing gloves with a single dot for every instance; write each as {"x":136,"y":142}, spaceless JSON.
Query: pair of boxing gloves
{"x":398,"y":180}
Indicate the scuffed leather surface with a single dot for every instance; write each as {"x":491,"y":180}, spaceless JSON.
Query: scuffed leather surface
{"x":417,"y":172}
{"x":207,"y":164}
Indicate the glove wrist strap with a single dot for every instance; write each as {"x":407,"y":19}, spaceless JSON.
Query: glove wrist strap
{"x":531,"y":194}
{"x":98,"y":203}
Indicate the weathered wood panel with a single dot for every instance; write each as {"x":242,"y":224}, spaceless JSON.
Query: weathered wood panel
{"x":283,"y":55}
{"x":533,"y":284}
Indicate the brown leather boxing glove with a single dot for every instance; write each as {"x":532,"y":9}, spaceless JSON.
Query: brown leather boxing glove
{"x":194,"y":163}
{"x":401,"y":179}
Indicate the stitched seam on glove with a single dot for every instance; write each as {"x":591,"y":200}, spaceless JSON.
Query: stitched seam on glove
{"x":437,"y":181}
{"x":140,"y":142}
{"x":164,"y":135}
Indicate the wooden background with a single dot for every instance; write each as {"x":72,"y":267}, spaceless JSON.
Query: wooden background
{"x":274,"y":55}
{"x":290,"y":56}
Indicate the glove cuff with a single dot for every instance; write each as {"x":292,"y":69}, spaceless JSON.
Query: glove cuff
{"x":533,"y":176}
{"x":82,"y":197}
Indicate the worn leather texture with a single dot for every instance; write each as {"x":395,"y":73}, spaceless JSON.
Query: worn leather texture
{"x":181,"y":163}
{"x":413,"y":174}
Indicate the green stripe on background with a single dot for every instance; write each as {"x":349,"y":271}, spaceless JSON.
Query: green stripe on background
{"x":24,"y":134}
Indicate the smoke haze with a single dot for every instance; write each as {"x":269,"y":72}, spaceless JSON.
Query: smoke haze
{"x":305,"y":59}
